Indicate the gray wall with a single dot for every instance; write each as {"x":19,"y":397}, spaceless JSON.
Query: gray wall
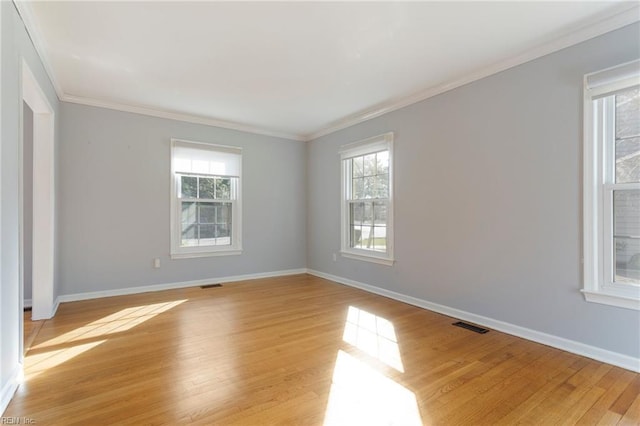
{"x":27,"y":194}
{"x":114,"y":201}
{"x":16,"y":45}
{"x":488,"y":209}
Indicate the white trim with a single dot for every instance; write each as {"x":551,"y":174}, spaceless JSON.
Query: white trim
{"x":366,"y":146}
{"x":625,"y":15}
{"x":384,"y":142}
{"x":24,"y":10}
{"x":614,"y":78}
{"x":173,"y":115}
{"x":622,"y":16}
{"x":43,"y":193}
{"x":599,"y":184}
{"x":10,"y":387}
{"x":208,"y":253}
{"x":170,"y":286}
{"x":593,"y":352}
{"x":614,"y":299}
{"x":178,"y":252}
{"x":368,"y":258}
{"x":27,"y":303}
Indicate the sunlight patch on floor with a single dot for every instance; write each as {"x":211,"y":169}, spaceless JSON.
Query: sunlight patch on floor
{"x":117,"y":322}
{"x":360,"y":395}
{"x":373,"y":335}
{"x":38,"y":361}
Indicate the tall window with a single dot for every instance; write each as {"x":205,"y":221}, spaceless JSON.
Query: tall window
{"x":205,"y":207}
{"x":612,"y":186}
{"x":367,"y":199}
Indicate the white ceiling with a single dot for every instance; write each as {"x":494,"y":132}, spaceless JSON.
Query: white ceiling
{"x":294,"y":69}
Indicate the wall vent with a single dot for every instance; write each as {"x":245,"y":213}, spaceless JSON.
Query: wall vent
{"x":210,"y":286}
{"x":471,"y":327}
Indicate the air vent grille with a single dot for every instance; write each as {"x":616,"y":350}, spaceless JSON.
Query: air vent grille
{"x":210,"y":286}
{"x":471,"y":327}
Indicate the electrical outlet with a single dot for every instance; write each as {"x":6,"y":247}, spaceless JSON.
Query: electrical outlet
{"x":335,"y":257}
{"x":156,"y":262}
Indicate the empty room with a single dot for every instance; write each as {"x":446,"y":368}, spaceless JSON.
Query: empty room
{"x":322,"y":213}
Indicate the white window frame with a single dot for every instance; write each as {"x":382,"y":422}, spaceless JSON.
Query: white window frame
{"x":599,"y":184}
{"x":363,"y":147}
{"x":183,"y":252}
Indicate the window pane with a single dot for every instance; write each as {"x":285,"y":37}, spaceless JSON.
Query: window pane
{"x":367,"y":218}
{"x":382,"y":186}
{"x":369,"y":187}
{"x":207,"y":213}
{"x":188,"y":187}
{"x":383,"y":162}
{"x":189,"y":235}
{"x":223,"y":189}
{"x":628,"y":114}
{"x":206,"y":233}
{"x":626,"y":213}
{"x":207,"y":188}
{"x":356,"y":236}
{"x":357,"y":167}
{"x":223,"y":231}
{"x":627,"y":260}
{"x":628,"y":160}
{"x":380,"y":213}
{"x":223,"y":213}
{"x":223,"y":235}
{"x":370,"y":165}
{"x":357,"y":189}
{"x":356,"y":213}
{"x":379,"y":238}
{"x":189,"y":212}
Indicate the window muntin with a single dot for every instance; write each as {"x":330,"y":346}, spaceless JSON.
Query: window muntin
{"x":612,"y":186}
{"x":367,"y":199}
{"x":206,"y":205}
{"x":206,"y":209}
{"x":626,"y":198}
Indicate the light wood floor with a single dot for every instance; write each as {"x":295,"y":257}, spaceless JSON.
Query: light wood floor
{"x":31,"y":329}
{"x":301,"y":350}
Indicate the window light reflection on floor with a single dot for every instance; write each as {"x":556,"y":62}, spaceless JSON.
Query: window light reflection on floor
{"x":360,"y":395}
{"x":373,"y":335}
{"x":60,"y":349}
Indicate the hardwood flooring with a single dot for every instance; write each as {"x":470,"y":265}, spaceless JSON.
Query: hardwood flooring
{"x":301,"y":350}
{"x":31,"y":329}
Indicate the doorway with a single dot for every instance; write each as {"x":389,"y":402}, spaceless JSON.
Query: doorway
{"x":37,"y":200}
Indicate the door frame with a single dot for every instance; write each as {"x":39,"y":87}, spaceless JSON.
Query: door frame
{"x":43,"y":198}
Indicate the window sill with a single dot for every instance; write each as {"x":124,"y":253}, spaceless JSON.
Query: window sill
{"x":206,"y":254}
{"x":628,"y":302}
{"x":372,"y":259}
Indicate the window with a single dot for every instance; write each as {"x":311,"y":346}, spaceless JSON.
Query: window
{"x":612,"y":186}
{"x":205,"y":199}
{"x":367,"y":199}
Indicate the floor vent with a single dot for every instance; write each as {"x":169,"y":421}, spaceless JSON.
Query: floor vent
{"x":210,"y":286}
{"x":471,"y":327}
{"x":27,"y":308}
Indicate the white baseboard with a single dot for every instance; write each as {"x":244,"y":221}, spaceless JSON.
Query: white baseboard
{"x":10,"y":387}
{"x":28,"y":303}
{"x":593,"y":352}
{"x":170,"y":286}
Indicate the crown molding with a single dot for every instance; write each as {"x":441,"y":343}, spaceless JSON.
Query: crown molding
{"x":626,"y":14}
{"x":619,"y":18}
{"x":24,"y":10}
{"x":172,"y":115}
